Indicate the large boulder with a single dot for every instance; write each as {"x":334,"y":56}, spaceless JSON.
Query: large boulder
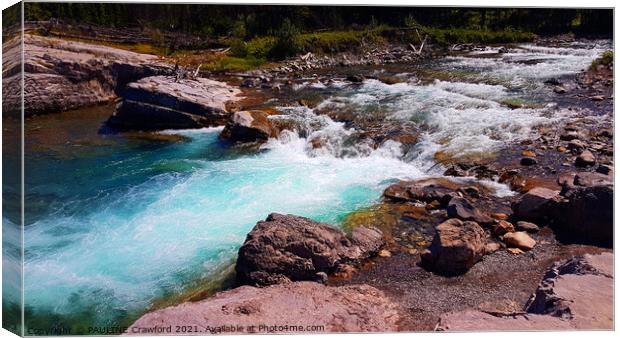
{"x":287,"y":248}
{"x":538,"y":204}
{"x":166,"y":102}
{"x":249,"y":127}
{"x":61,"y":75}
{"x":586,"y":215}
{"x":289,"y":308}
{"x":579,"y":290}
{"x":456,"y":247}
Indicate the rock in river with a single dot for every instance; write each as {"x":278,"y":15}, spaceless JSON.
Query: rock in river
{"x":287,"y":248}
{"x":165,"y":102}
{"x":248,"y":127}
{"x":456,"y":247}
{"x":351,"y":308}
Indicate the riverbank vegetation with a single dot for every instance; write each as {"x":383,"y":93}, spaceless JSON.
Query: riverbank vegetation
{"x":605,"y":59}
{"x":255,"y":35}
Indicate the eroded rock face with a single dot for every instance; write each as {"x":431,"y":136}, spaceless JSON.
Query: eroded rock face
{"x":165,"y":102}
{"x":574,"y":295}
{"x":353,"y":308}
{"x":61,"y":75}
{"x":286,"y":248}
{"x":456,"y":247}
{"x":249,"y":127}
{"x":579,"y":290}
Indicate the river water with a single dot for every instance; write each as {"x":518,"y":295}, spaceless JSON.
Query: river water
{"x":116,"y":223}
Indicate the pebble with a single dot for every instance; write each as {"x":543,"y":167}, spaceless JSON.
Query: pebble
{"x":527,"y":161}
{"x":527,"y":226}
{"x":528,"y":153}
{"x":515,"y":251}
{"x":519,"y":240}
{"x":604,"y":169}
{"x":384,"y":253}
{"x":499,"y":216}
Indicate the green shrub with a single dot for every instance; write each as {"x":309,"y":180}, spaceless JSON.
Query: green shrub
{"x":607,"y":58}
{"x":238,"y":48}
{"x":287,"y":41}
{"x":260,"y":47}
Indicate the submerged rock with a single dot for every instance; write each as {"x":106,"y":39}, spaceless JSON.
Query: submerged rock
{"x":352,"y":308}
{"x":456,"y":247}
{"x":287,"y":248}
{"x":248,"y":127}
{"x":165,"y":102}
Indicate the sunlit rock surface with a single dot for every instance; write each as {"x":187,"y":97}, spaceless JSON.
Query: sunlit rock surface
{"x":61,"y":75}
{"x":354,"y":308}
{"x":168,"y":102}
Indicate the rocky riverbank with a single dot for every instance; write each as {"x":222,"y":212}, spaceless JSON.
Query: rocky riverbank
{"x":435,"y":250}
{"x":456,"y":256}
{"x":61,"y":75}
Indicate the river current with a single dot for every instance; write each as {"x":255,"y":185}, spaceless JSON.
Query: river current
{"x":115,"y":224}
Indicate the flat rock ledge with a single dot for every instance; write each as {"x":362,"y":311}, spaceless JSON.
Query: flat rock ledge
{"x":574,"y":295}
{"x":61,"y":75}
{"x":168,"y":102}
{"x":286,"y":248}
{"x":301,"y":307}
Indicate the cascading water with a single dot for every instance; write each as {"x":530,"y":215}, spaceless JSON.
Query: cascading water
{"x":115,"y":225}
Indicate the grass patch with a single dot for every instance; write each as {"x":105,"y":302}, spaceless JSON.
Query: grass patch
{"x":452,"y":36}
{"x":606,"y":59}
{"x":231,"y":63}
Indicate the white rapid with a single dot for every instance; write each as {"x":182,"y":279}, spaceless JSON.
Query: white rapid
{"x":143,"y":223}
